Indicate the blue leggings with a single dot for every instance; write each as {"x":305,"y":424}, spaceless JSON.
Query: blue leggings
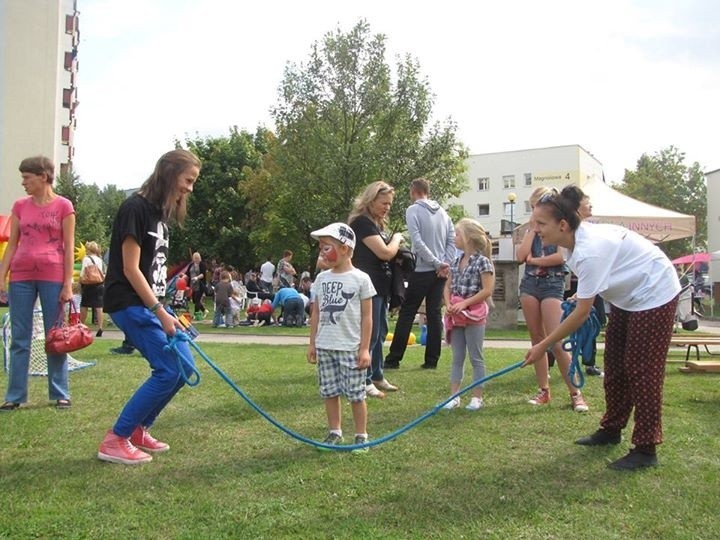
{"x":144,"y":330}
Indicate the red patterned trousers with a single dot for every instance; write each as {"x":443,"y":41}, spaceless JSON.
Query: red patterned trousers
{"x":636,"y":347}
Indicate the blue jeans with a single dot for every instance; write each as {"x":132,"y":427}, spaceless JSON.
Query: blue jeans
{"x":293,"y":310}
{"x":21,"y":297}
{"x":223,"y":315}
{"x":377,"y":338}
{"x":145,"y":332}
{"x":543,"y":288}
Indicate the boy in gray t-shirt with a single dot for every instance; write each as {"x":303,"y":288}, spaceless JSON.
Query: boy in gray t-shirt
{"x":340,"y":328}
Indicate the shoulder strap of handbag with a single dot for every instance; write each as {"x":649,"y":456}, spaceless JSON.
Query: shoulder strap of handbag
{"x":99,"y":266}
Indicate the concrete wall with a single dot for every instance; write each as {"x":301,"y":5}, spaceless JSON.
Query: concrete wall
{"x":505,"y":297}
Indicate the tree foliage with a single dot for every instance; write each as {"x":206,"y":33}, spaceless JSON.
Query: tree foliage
{"x":343,"y":121}
{"x":664,"y":180}
{"x":95,"y":208}
{"x":220,"y":220}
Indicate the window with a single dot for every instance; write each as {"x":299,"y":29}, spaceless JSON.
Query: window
{"x":70,"y":22}
{"x":483,"y":183}
{"x":483,"y":209}
{"x":66,"y":135}
{"x":68,"y":97}
{"x":528,"y":208}
{"x":528,"y":179}
{"x":509,"y":181}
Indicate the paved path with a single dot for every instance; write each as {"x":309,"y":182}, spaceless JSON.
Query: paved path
{"x":269,"y":339}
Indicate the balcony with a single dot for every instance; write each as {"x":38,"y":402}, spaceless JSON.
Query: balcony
{"x":67,"y":135}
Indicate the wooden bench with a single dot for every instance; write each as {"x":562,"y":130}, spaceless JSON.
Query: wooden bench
{"x":694,"y":342}
{"x":702,"y":366}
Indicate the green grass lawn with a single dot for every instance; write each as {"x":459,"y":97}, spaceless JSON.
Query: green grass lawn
{"x":507,"y":471}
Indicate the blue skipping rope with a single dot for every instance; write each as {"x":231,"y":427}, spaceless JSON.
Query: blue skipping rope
{"x":195,"y":376}
{"x":580,"y":343}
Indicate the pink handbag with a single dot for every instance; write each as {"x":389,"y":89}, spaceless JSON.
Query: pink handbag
{"x":64,"y":337}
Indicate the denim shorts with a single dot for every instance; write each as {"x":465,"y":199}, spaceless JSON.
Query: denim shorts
{"x":543,"y":288}
{"x":339,"y":375}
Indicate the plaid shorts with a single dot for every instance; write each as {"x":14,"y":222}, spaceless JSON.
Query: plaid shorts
{"x":338,"y":374}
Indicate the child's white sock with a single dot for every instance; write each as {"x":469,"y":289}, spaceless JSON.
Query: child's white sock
{"x":364,"y":435}
{"x":337,"y":432}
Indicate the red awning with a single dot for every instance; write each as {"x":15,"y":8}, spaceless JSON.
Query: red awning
{"x":692,"y":258}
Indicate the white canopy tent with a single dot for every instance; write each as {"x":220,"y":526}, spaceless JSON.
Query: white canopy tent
{"x":610,"y":206}
{"x":652,"y":222}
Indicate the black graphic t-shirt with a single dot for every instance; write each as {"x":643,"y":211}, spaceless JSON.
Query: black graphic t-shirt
{"x":142,"y":221}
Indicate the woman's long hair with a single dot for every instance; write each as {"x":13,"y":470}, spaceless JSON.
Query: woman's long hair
{"x":476,"y":236}
{"x":160,"y":189}
{"x":362,"y":201}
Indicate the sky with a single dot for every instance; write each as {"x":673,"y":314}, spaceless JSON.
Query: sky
{"x":618,"y":77}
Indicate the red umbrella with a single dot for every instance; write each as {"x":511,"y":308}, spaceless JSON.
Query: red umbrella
{"x":692,"y":258}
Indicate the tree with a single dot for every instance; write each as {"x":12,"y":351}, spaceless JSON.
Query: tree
{"x":95,"y":209}
{"x":342,"y":121}
{"x":219,"y":223}
{"x":664,"y":180}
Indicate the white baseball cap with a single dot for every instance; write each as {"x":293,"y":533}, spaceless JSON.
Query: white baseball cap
{"x":339,"y":231}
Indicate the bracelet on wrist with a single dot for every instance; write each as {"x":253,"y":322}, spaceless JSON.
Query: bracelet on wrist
{"x":155,"y":307}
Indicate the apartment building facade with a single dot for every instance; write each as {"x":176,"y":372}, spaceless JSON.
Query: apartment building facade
{"x":501,"y":182}
{"x":39,"y":41}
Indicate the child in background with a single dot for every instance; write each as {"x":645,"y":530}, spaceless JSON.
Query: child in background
{"x":340,"y":328}
{"x":235,"y":306}
{"x":471,"y":283}
{"x":223,"y":290}
{"x":74,"y":314}
{"x":260,"y":312}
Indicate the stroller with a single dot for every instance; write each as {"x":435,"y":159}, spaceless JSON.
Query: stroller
{"x":179,"y":302}
{"x":685,"y":312}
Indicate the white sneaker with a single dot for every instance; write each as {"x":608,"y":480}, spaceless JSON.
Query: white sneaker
{"x":452,"y":404}
{"x":385,"y":385}
{"x":475,"y":404}
{"x":372,"y":391}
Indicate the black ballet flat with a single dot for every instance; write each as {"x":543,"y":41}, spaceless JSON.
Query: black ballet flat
{"x":9,"y":406}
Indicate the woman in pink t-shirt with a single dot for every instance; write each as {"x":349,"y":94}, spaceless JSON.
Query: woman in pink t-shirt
{"x":39,"y":258}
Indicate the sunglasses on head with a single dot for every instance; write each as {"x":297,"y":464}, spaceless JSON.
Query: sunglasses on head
{"x":549,"y":197}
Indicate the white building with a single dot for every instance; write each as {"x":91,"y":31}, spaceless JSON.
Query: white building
{"x":38,"y":87}
{"x":712,"y":179}
{"x":496,"y":177}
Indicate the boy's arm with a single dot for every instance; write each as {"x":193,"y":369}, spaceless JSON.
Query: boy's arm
{"x":314,"y":317}
{"x":365,"y":333}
